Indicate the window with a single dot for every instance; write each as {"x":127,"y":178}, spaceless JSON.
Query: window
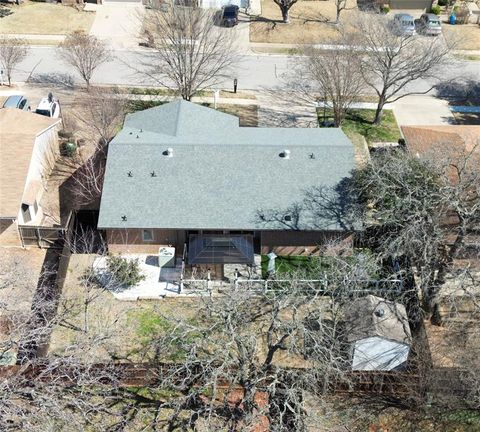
{"x":22,"y":104}
{"x":147,"y":235}
{"x":27,"y":217}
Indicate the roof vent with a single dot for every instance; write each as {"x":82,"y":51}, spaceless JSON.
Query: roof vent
{"x":168,"y":152}
{"x":124,"y":218}
{"x":312,"y":155}
{"x":285,"y":154}
{"x":287,"y":218}
{"x":153,"y":174}
{"x":129,"y":174}
{"x":380,"y":313}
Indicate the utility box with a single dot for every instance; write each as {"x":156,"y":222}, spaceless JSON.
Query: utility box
{"x":166,"y":257}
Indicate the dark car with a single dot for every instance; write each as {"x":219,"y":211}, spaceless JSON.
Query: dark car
{"x":16,"y":101}
{"x":428,"y":24}
{"x":230,"y":15}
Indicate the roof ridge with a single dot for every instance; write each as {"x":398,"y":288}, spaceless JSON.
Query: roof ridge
{"x":177,"y":118}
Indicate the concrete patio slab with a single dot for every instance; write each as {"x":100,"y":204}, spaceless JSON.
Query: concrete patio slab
{"x":159,"y":282}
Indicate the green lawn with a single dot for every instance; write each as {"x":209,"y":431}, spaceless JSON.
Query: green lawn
{"x":309,"y":266}
{"x":360,"y":121}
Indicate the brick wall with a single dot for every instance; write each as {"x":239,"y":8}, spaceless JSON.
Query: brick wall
{"x":300,"y":242}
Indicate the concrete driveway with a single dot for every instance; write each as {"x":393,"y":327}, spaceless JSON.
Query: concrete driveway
{"x":422,"y":110}
{"x":119,"y":22}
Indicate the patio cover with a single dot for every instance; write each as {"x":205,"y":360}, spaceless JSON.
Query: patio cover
{"x":215,"y":249}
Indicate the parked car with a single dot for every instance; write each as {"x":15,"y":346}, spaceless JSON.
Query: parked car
{"x":230,"y":15}
{"x":49,"y":107}
{"x":428,"y":24}
{"x":16,"y":101}
{"x":403,"y":24}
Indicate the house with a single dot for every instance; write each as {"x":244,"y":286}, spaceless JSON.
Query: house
{"x":28,"y":148}
{"x":189,"y":177}
{"x":423,"y":5}
{"x":460,"y":291}
{"x":423,"y":139}
{"x":378,"y":332}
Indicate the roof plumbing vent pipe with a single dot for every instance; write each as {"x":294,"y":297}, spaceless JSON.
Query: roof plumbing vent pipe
{"x":285,"y":154}
{"x":168,"y":152}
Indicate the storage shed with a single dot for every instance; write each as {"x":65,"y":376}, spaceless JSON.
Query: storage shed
{"x":378,"y":332}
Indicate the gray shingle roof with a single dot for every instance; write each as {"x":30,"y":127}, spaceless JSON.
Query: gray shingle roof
{"x":374,"y":316}
{"x":220,"y":174}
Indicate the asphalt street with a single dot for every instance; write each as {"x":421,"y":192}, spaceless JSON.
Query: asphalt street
{"x":254,"y":72}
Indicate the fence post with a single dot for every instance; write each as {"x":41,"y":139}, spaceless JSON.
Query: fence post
{"x":235,"y":279}
{"x":39,"y":242}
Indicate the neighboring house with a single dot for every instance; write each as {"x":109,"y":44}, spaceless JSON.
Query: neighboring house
{"x":182,"y":174}
{"x":424,"y":5}
{"x":379,"y":334}
{"x":28,"y":148}
{"x":218,"y":4}
{"x":423,"y":139}
{"x":460,"y":293}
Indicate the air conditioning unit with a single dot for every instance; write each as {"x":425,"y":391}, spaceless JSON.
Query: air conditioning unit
{"x":166,"y":256}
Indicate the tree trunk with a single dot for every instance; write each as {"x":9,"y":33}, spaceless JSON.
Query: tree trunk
{"x":285,"y":15}
{"x":379,"y":111}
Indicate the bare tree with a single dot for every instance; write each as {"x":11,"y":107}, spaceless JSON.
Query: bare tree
{"x":241,"y":359}
{"x":332,"y":75}
{"x":12,"y":52}
{"x":85,"y":53}
{"x":391,"y":62}
{"x":191,"y":52}
{"x":101,"y":113}
{"x":285,"y":6}
{"x":424,"y":208}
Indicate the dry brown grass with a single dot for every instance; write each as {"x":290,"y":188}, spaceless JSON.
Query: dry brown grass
{"x":465,"y":36}
{"x":248,"y":114}
{"x":21,"y":269}
{"x":311,"y":22}
{"x":117,"y":322}
{"x":45,"y":18}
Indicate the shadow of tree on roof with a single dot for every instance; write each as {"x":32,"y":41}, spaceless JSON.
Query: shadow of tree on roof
{"x":319,"y":208}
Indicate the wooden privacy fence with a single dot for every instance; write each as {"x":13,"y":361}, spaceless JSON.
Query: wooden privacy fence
{"x":395,"y":384}
{"x":45,"y":237}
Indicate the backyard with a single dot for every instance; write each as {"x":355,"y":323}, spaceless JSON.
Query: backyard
{"x":310,"y":22}
{"x":45,"y":19}
{"x":359,"y":121}
{"x":106,"y":327}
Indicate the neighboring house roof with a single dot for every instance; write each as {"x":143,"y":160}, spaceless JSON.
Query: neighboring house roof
{"x":219,"y":175}
{"x":422,"y":139}
{"x":18,"y":130}
{"x":372,"y":316}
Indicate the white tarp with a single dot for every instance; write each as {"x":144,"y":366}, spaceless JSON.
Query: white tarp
{"x":376,"y":353}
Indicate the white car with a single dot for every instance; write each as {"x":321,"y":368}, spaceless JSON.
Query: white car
{"x":49,"y":107}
